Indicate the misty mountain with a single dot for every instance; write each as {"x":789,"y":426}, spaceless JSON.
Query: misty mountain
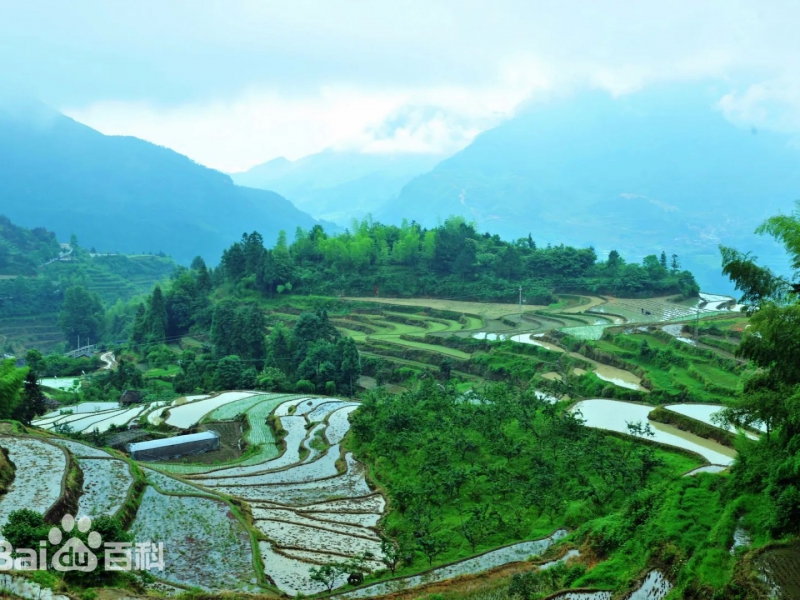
{"x":337,"y":185}
{"x":661,"y":169}
{"x":122,"y":194}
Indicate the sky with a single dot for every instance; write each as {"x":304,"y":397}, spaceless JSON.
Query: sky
{"x":235,"y":83}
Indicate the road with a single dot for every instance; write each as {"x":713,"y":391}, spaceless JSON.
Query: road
{"x":109,"y":360}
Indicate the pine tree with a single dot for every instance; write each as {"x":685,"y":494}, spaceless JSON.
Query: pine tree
{"x":139,"y":326}
{"x":157,"y":317}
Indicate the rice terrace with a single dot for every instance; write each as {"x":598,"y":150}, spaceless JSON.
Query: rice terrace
{"x":290,"y":504}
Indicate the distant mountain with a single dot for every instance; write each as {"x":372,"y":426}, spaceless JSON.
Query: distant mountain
{"x":336,"y":185}
{"x":660,"y":169}
{"x":122,"y":194}
{"x":22,"y":250}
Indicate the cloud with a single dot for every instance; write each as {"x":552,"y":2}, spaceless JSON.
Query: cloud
{"x":772,"y":105}
{"x":235,"y":82}
{"x":237,"y":134}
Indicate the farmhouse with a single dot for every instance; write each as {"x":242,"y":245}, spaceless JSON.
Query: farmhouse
{"x":180,"y":445}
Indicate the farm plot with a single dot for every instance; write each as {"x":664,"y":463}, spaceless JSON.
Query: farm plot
{"x":240,"y":407}
{"x":81,"y":450}
{"x":307,"y":407}
{"x":205,"y":545}
{"x":470,"y":566}
{"x":269,"y":513}
{"x":312,"y":538}
{"x":61,"y":383}
{"x":371,"y":503}
{"x":324,"y":467}
{"x":189,"y":414}
{"x":325,"y":557}
{"x":289,"y":574}
{"x":339,"y":424}
{"x":313,"y":434}
{"x":169,"y":485}
{"x":117,"y":420}
{"x":707,"y":413}
{"x":78,"y":420}
{"x":296,"y":433}
{"x":614,"y":415}
{"x":83,"y":407}
{"x":286,"y":408}
{"x":323,"y":410}
{"x":40,"y":469}
{"x":351,"y":483}
{"x":105,"y":486}
{"x":361,"y":519}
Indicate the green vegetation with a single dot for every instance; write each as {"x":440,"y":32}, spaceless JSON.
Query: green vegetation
{"x":469,"y":473}
{"x":49,"y":295}
{"x":22,"y":251}
{"x":450,"y":260}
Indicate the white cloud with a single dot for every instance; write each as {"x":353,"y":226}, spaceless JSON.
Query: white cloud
{"x":773,"y":105}
{"x":261,"y":125}
{"x":235,"y":83}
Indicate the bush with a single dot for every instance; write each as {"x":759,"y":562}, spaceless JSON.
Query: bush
{"x":304,"y":386}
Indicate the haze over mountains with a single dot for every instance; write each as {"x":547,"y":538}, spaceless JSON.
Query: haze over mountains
{"x":122,"y":194}
{"x":339,"y":185}
{"x":661,"y":169}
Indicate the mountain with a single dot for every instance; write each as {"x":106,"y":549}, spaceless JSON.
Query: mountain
{"x":122,"y":194}
{"x":337,"y":185}
{"x":660,"y":169}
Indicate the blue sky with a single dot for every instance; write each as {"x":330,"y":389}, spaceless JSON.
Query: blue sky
{"x":234,"y":83}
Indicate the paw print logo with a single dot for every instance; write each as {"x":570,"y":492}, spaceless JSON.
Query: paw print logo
{"x":75,"y":555}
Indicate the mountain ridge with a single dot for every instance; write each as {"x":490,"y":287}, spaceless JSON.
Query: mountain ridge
{"x":123,"y":194}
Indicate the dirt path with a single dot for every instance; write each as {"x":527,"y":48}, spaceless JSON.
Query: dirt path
{"x":109,"y":360}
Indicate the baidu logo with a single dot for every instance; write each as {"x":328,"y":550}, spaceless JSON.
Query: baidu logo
{"x":76,"y":555}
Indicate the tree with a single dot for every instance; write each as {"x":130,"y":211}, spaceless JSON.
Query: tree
{"x":11,"y":381}
{"x":675,"y":264}
{"x":663,"y":260}
{"x":32,"y":402}
{"x":390,"y":554}
{"x":139,"y":326}
{"x":228,"y":375}
{"x":351,"y":362}
{"x":35,"y":362}
{"x":326,"y":574}
{"x":81,"y":315}
{"x":157,"y":318}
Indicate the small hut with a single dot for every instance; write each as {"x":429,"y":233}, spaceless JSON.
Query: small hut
{"x":130,"y":397}
{"x":174,"y":447}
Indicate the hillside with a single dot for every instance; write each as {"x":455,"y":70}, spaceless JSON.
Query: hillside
{"x":122,"y":194}
{"x":337,"y":185}
{"x":23,"y":250}
{"x":660,"y":167}
{"x":38,"y":270}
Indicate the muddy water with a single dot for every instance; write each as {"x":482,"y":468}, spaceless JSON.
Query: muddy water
{"x":527,"y":338}
{"x":613,"y":375}
{"x":706,"y":469}
{"x":705,"y":413}
{"x":486,"y":335}
{"x":614,"y":415}
{"x":552,"y":376}
{"x":654,"y":587}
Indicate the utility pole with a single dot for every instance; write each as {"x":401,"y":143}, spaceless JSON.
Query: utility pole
{"x":697,"y":325}
{"x":520,"y":307}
